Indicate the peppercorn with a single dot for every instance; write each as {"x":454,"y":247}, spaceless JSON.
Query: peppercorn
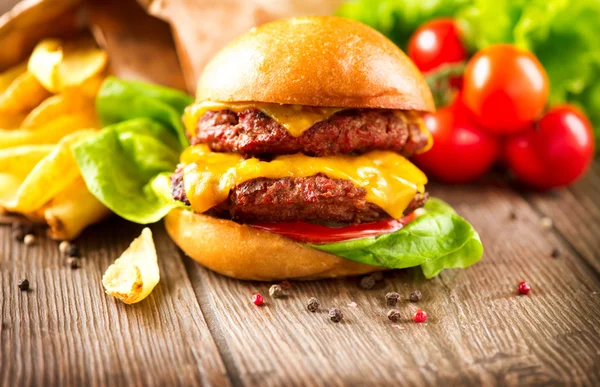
{"x":64,"y":246}
{"x":512,"y":215}
{"x":275,"y":291}
{"x":419,"y":316}
{"x":20,"y":230}
{"x":23,"y":284}
{"x":377,"y":276}
{"x":73,"y":264}
{"x":415,"y":296}
{"x":335,"y":314}
{"x":258,"y":299}
{"x":313,"y":304}
{"x":285,"y":284}
{"x":523,"y":287}
{"x":29,"y":239}
{"x":555,"y":253}
{"x":393,"y":315}
{"x":72,"y":251}
{"x":391,"y":299}
{"x":367,"y":282}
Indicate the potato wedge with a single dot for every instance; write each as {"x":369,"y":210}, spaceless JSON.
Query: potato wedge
{"x":72,"y":210}
{"x":50,"y":176}
{"x":44,"y":61}
{"x":70,"y":102}
{"x":51,"y":133}
{"x":135,"y":273}
{"x":11,"y":121}
{"x":23,"y":94}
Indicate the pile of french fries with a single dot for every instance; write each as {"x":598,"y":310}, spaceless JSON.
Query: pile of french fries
{"x":47,"y":106}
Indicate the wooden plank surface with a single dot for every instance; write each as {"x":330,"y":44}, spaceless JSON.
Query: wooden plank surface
{"x":198,"y":327}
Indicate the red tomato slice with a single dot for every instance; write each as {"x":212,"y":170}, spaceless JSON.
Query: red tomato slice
{"x":317,"y":234}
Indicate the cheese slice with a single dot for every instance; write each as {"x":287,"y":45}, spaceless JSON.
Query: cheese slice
{"x":391,"y":181}
{"x":296,"y":119}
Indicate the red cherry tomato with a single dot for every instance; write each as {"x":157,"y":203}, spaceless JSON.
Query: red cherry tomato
{"x":435,"y":43}
{"x":461,"y":151}
{"x":314,"y":233}
{"x":505,"y":88}
{"x":555,"y":153}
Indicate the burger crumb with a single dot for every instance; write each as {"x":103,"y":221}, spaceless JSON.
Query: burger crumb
{"x":353,"y":304}
{"x":29,"y":239}
{"x":546,"y":223}
{"x":276,"y":291}
{"x":313,"y":304}
{"x":391,"y":298}
{"x":335,"y":314}
{"x":73,"y":264}
{"x":23,"y":284}
{"x":555,"y":253}
{"x":394,"y":315}
{"x":415,"y":296}
{"x":64,"y":245}
{"x":367,"y":282}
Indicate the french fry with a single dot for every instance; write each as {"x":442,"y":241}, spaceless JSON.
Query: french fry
{"x":15,"y":164}
{"x":135,"y":273}
{"x":23,"y":94}
{"x":50,"y":176}
{"x":11,"y":121}
{"x":72,"y":210}
{"x":51,"y":133}
{"x":70,"y":102}
{"x":62,"y":65}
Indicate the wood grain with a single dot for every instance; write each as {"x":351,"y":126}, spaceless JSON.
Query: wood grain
{"x":66,"y":331}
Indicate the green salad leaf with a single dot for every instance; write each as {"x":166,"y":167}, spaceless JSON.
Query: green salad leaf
{"x":126,"y":166}
{"x":437,"y":240}
{"x":563,"y":34}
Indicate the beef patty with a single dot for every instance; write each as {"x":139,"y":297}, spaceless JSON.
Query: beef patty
{"x":310,"y":199}
{"x":355,"y":131}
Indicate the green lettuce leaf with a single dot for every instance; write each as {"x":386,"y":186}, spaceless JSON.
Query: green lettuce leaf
{"x":126,"y":166}
{"x":439,"y":239}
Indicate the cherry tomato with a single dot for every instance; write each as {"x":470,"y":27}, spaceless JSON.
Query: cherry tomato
{"x":505,"y":88}
{"x":317,"y":234}
{"x":461,"y":151}
{"x":555,"y":153}
{"x":435,"y":43}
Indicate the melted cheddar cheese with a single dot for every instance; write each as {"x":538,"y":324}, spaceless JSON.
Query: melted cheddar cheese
{"x":391,"y":181}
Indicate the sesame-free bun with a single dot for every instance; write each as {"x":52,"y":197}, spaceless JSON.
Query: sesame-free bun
{"x":243,"y":252}
{"x":317,"y":61}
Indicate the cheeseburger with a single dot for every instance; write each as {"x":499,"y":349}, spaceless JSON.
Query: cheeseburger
{"x":300,"y":136}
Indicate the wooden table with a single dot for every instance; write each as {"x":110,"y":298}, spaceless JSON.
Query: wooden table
{"x":198,"y":327}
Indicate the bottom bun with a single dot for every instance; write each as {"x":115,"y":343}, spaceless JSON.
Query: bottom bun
{"x":243,"y":252}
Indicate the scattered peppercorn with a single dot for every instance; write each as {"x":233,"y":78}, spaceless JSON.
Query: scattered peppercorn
{"x":72,"y":251}
{"x":335,"y":314}
{"x":257,"y":299}
{"x":555,"y":253}
{"x":285,"y":284}
{"x":275,"y":291}
{"x":391,"y":299}
{"x":377,"y":276}
{"x":394,"y":315}
{"x":20,"y":230}
{"x":64,"y":245}
{"x":546,"y":223}
{"x":73,"y":264}
{"x":419,"y":316}
{"x":29,"y":239}
{"x":523,"y":287}
{"x":23,"y":284}
{"x":415,"y":296}
{"x":512,"y":215}
{"x":367,"y":282}
{"x":313,"y":304}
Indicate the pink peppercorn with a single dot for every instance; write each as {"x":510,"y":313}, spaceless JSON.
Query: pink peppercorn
{"x":419,"y":316}
{"x":257,"y":299}
{"x":524,"y":287}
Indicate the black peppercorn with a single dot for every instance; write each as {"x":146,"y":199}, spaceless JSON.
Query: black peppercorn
{"x":512,"y":215}
{"x":415,"y":296}
{"x":23,"y":284}
{"x":393,"y":315}
{"x":72,"y":251}
{"x":555,"y":253}
{"x":21,"y":229}
{"x":367,"y":282}
{"x":391,"y":299}
{"x":73,"y":264}
{"x":335,"y":314}
{"x":313,"y":304}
